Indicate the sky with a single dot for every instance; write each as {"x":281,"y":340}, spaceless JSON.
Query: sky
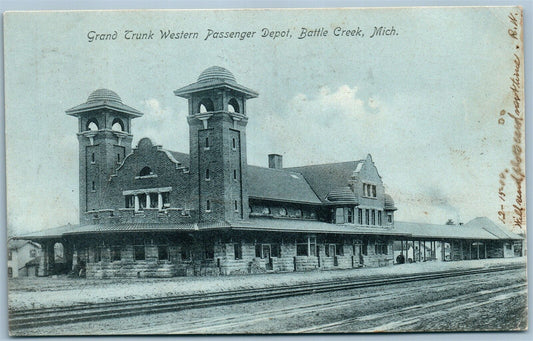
{"x":424,"y":103}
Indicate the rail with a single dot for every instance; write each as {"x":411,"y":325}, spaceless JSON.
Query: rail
{"x":38,"y":317}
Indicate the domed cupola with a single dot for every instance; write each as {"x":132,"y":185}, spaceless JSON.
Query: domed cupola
{"x":103,"y":95}
{"x":215,"y":73}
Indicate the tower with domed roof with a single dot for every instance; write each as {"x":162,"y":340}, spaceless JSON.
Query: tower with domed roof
{"x":104,"y":135}
{"x":217,"y":135}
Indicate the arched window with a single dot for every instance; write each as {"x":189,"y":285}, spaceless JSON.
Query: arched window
{"x":266,"y":210}
{"x":298,"y":213}
{"x":283,"y":211}
{"x":146,"y":171}
{"x":92,"y":124}
{"x":206,"y":105}
{"x":117,"y":125}
{"x":233,"y":105}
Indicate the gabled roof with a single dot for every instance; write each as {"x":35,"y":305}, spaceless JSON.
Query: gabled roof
{"x":329,"y":177}
{"x":489,"y":226}
{"x":15,"y":244}
{"x":279,"y":185}
{"x":182,"y":158}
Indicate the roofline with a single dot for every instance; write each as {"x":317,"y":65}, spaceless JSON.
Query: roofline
{"x":286,"y":201}
{"x":185,"y":93}
{"x":289,"y":230}
{"x":73,"y":111}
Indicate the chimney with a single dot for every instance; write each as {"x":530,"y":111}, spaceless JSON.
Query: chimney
{"x":275,"y":161}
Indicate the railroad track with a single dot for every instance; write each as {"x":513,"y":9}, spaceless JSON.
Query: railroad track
{"x":34,"y":318}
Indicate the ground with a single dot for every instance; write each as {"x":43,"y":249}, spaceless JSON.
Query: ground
{"x":63,"y":291}
{"x":496,"y":301}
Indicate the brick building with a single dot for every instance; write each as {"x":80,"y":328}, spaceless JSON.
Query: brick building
{"x":148,"y":211}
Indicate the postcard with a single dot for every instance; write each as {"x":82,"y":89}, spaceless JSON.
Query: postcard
{"x":266,"y":171}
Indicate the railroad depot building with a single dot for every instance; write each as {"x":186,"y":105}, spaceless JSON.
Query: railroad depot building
{"x":151,"y":212}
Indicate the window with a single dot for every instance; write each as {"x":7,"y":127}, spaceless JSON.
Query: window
{"x":186,"y":253}
{"x":117,"y":125}
{"x":266,"y":210}
{"x":236,"y":205}
{"x":206,"y":143}
{"x":237,"y":250}
{"x":360,"y":216}
{"x":233,"y":105}
{"x":364,"y":249}
{"x":208,"y":206}
{"x":369,"y":190}
{"x":205,"y":105}
{"x":348,"y":212}
{"x":367,"y":217}
{"x":129,"y":201}
{"x":298,"y":213}
{"x":139,"y":252}
{"x":373,"y":216}
{"x":33,"y":253}
{"x":209,"y":251}
{"x":9,"y":272}
{"x":118,"y":158}
{"x":233,"y":144}
{"x":9,"y":255}
{"x":115,"y":253}
{"x":154,"y":198}
{"x":380,"y":222}
{"x":389,"y":217}
{"x":330,"y":250}
{"x":276,"y":250}
{"x":162,"y":252}
{"x":381,"y":248}
{"x":146,"y":171}
{"x":258,"y":248}
{"x":93,"y":158}
{"x":93,"y":186}
{"x":339,"y":215}
{"x":508,"y":246}
{"x":92,"y":124}
{"x":339,"y":250}
{"x":142,"y":201}
{"x":165,"y":196}
{"x":234,"y":174}
{"x":207,"y":174}
{"x":97,"y":254}
{"x":306,"y":246}
{"x":283,"y":211}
